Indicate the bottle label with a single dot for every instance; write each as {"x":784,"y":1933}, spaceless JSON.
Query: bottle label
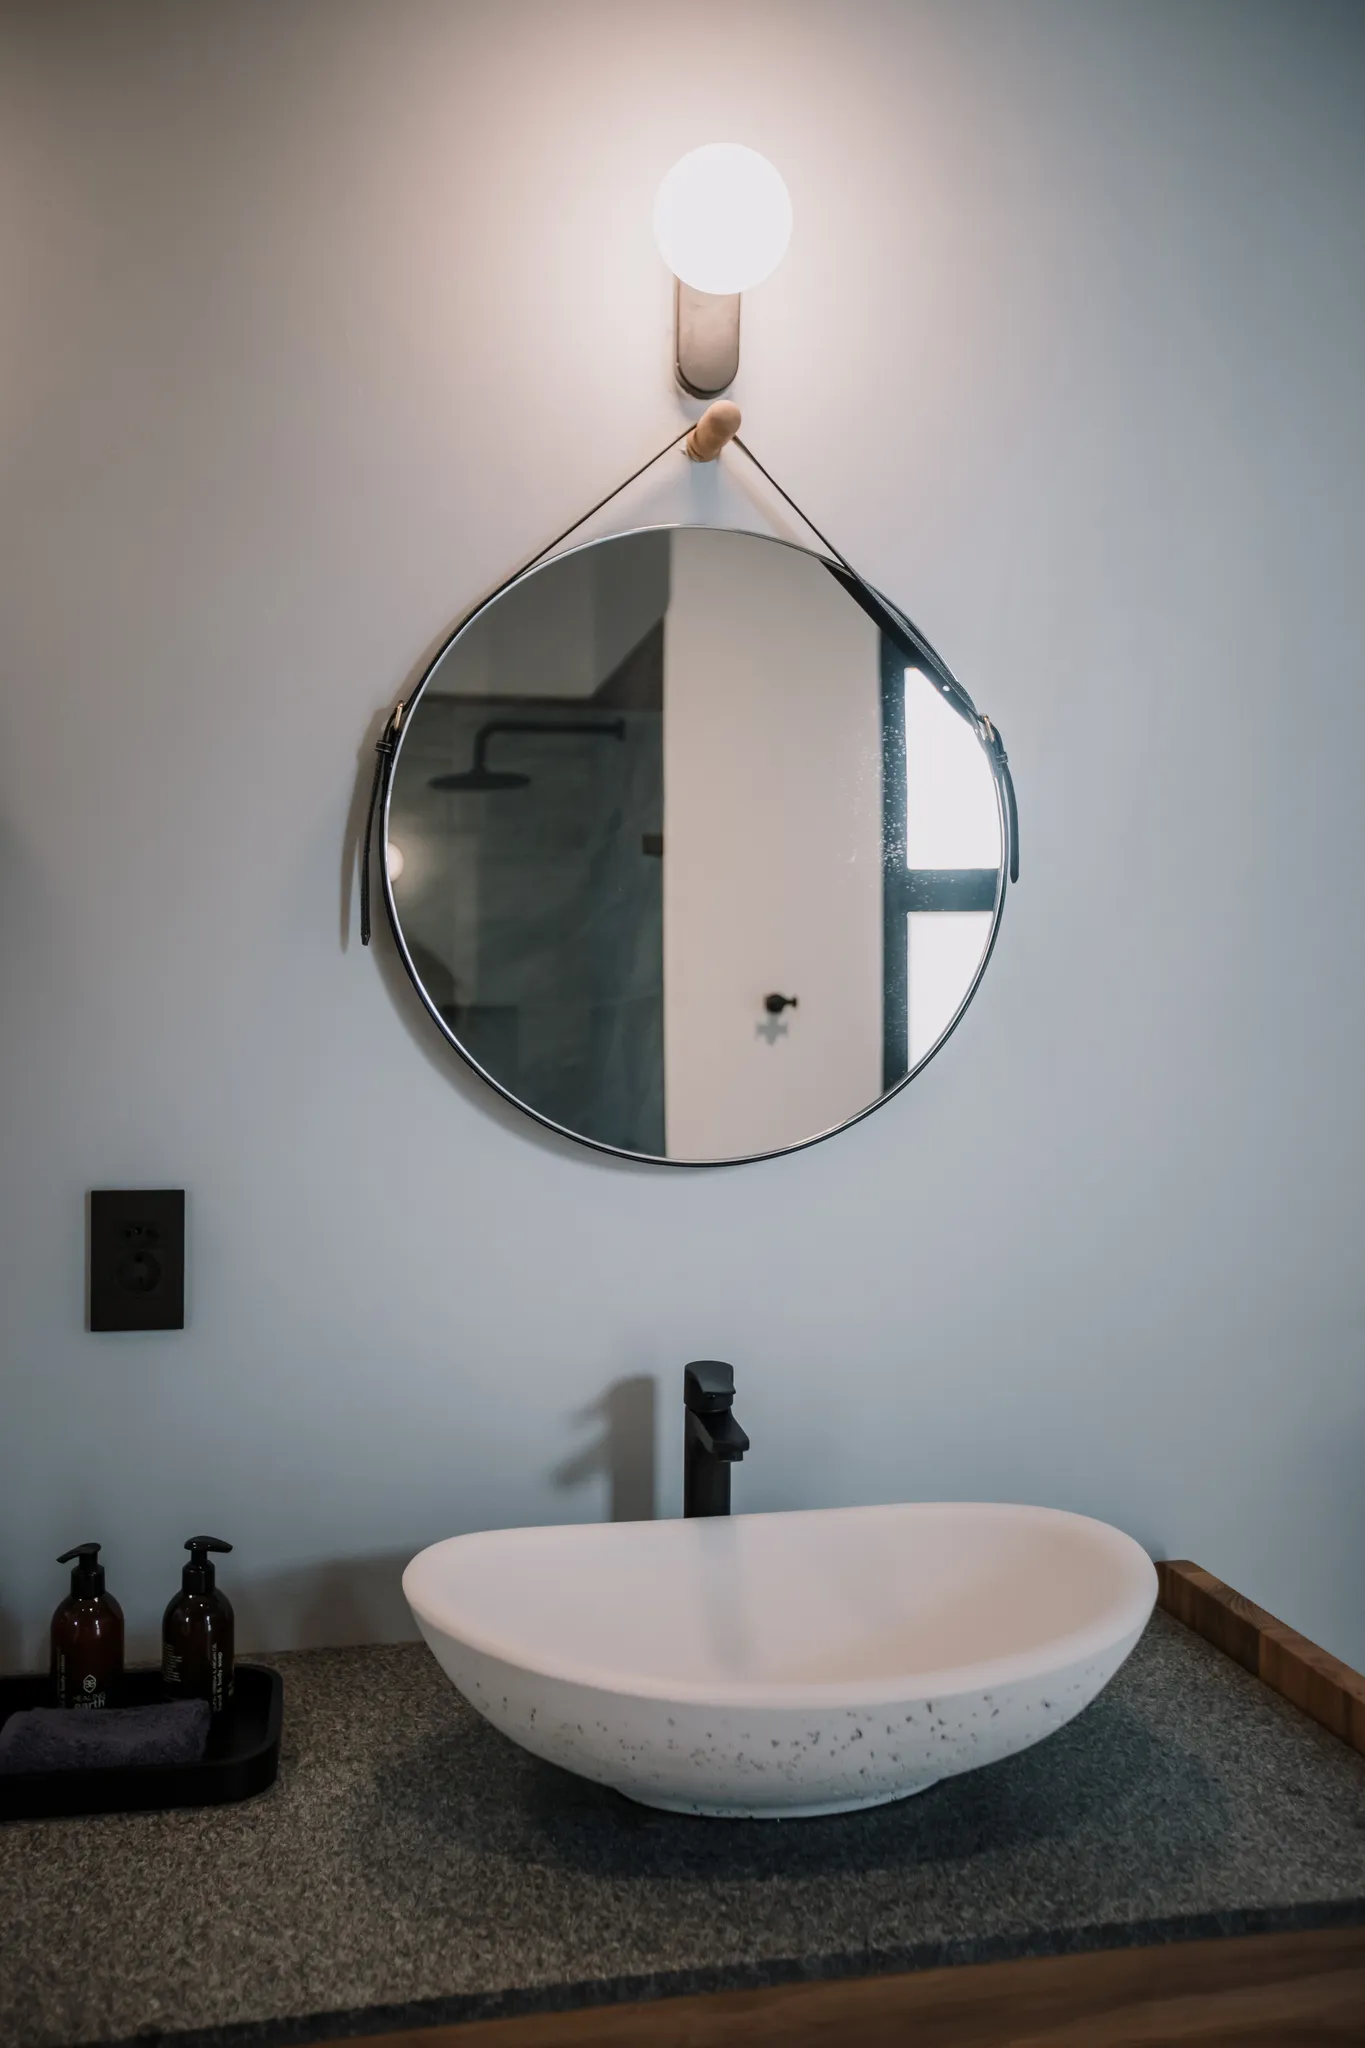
{"x":209,"y":1676}
{"x":78,"y":1688}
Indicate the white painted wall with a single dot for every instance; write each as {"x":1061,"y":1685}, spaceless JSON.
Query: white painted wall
{"x":772,"y":849}
{"x":317,"y":319}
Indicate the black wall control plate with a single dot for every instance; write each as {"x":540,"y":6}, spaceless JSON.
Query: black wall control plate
{"x":137,"y":1259}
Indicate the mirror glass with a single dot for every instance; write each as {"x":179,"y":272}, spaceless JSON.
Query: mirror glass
{"x":687,"y":852}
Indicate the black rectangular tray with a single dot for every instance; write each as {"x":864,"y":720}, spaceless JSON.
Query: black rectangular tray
{"x":241,"y":1759}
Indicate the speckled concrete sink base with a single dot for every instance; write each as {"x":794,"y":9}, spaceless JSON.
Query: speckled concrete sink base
{"x":776,"y":1666}
{"x":821,"y":1812}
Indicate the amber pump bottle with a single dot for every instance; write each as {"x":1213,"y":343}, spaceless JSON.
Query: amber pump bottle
{"x":196,"y":1633}
{"x":87,"y":1636}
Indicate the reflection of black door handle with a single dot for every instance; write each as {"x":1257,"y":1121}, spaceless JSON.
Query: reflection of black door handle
{"x":775,"y":1005}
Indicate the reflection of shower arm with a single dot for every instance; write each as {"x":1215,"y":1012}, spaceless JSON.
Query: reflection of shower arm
{"x":608,"y":728}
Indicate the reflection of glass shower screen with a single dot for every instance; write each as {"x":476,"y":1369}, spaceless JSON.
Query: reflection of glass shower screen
{"x":951,"y":817}
{"x":945,"y":949}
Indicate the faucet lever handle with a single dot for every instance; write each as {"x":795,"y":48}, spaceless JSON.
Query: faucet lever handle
{"x":708,"y":1386}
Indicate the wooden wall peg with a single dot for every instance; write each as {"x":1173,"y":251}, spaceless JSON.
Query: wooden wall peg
{"x":717,"y":426}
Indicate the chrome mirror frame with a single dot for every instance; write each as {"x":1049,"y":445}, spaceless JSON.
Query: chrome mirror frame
{"x":898,"y":629}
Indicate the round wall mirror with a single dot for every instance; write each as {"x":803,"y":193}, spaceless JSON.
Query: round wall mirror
{"x":693,"y":847}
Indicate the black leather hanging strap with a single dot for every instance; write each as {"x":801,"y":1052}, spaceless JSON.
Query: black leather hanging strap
{"x":383,"y":761}
{"x":898,"y":630}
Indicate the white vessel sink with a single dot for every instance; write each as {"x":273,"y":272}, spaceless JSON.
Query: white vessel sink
{"x":771,"y":1665}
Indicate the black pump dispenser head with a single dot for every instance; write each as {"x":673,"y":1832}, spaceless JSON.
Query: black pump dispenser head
{"x":197,"y":1576}
{"x":87,"y":1578}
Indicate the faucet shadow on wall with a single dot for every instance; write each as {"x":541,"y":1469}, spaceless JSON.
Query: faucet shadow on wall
{"x":622,"y":1450}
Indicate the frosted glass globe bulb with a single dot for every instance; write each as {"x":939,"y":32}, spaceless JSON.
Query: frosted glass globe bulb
{"x":723,"y":218}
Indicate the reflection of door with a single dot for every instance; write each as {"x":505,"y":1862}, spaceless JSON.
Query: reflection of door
{"x":942,"y":852}
{"x":772,"y":848}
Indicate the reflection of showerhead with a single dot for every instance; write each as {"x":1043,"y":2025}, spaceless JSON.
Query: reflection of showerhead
{"x":481,"y":776}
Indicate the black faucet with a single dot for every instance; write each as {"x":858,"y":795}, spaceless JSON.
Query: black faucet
{"x":713,"y":1441}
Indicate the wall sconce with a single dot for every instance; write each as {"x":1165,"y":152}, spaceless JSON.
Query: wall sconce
{"x":723,"y":219}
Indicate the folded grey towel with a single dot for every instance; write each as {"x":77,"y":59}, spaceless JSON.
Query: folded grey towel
{"x":85,"y":1738}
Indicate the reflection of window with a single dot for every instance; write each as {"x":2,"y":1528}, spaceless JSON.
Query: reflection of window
{"x":951,"y":819}
{"x":942,"y":860}
{"x":943,"y":949}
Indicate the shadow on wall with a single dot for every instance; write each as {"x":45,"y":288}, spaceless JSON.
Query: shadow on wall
{"x":325,"y":1606}
{"x":622,"y":1451}
{"x":360,"y":1599}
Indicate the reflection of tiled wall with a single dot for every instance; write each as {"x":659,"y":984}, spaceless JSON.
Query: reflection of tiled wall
{"x":569,"y":625}
{"x":533,"y":911}
{"x":539,"y":913}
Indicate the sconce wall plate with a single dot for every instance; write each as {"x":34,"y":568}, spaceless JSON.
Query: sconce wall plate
{"x":706,"y":339}
{"x":722,"y":219}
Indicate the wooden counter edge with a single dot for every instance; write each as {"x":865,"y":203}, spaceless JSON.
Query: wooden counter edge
{"x":1230,"y":1993}
{"x":1319,"y":1684}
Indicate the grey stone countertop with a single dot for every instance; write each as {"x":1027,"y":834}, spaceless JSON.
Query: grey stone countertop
{"x":411,"y":1866}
